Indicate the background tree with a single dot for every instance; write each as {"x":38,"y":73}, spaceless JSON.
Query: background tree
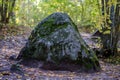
{"x":110,"y":26}
{"x":6,"y":10}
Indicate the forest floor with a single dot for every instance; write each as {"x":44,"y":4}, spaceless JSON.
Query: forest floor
{"x":12,"y":45}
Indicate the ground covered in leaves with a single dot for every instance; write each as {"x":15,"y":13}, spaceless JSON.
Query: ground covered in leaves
{"x":12,"y":44}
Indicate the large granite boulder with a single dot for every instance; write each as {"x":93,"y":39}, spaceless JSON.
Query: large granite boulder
{"x":56,"y":39}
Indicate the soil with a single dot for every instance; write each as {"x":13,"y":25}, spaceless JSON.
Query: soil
{"x":11,"y":70}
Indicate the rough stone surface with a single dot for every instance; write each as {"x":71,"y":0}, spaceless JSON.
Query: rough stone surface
{"x":56,"y":39}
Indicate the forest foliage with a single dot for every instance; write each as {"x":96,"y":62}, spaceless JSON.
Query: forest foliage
{"x":83,"y":12}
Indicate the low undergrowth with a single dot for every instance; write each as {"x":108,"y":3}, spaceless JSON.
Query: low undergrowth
{"x":113,"y":60}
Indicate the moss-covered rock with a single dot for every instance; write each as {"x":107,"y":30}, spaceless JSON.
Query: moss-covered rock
{"x":56,"y":39}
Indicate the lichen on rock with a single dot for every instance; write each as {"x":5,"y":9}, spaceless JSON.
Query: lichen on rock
{"x":55,"y":39}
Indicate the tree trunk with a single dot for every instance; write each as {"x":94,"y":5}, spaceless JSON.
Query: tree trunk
{"x":115,"y":30}
{"x":5,"y":11}
{"x":110,"y":40}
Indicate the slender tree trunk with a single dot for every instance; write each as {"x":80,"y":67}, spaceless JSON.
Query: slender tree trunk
{"x":11,"y":10}
{"x":105,"y":37}
{"x":4,"y":11}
